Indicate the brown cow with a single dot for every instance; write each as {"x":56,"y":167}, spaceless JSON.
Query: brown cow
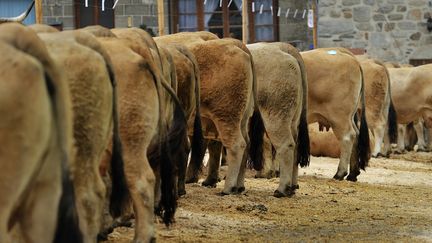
{"x":227,"y":90}
{"x":336,"y":92}
{"x":415,"y":83}
{"x":380,"y":113}
{"x":143,"y":130}
{"x":36,"y":138}
{"x":93,"y":94}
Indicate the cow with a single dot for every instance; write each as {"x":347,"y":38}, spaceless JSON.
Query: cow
{"x":37,"y":142}
{"x":336,"y":92}
{"x":412,"y":82}
{"x":94,"y":100}
{"x":324,"y":143}
{"x":145,"y":135}
{"x":180,"y":70}
{"x":380,"y":112}
{"x":227,"y":89}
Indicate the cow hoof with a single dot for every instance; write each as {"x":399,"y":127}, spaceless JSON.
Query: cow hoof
{"x":153,"y":240}
{"x":422,"y":150}
{"x":381,"y":155}
{"x":338,"y":177}
{"x":277,"y":174}
{"x":278,"y":194}
{"x":211,"y":183}
{"x":181,"y":192}
{"x":289,"y":192}
{"x":295,"y":187}
{"x":103,"y":236}
{"x":192,"y":180}
{"x":399,"y":151}
{"x":352,"y":178}
{"x":241,"y":189}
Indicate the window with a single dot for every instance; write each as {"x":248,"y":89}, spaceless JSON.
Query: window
{"x":93,"y":14}
{"x":224,"y":18}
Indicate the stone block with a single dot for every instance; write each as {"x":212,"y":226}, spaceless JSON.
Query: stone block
{"x":137,"y":21}
{"x":379,"y":26}
{"x":364,"y":26}
{"x":369,"y":2}
{"x":385,"y":8}
{"x":347,"y":13}
{"x":407,"y":25}
{"x":333,"y":26}
{"x":380,"y":40}
{"x":46,"y":11}
{"x":401,"y":9}
{"x":379,"y":17}
{"x":389,"y":27}
{"x":414,"y":14}
{"x":362,"y":14}
{"x":68,"y":22}
{"x":396,"y":1}
{"x":359,"y":44}
{"x":327,"y":3}
{"x":395,"y":17}
{"x":350,"y":2}
{"x":334,"y":13}
{"x":417,"y":2}
{"x":121,"y":21}
{"x":416,"y":36}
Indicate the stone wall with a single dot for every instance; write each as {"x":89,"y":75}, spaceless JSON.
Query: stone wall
{"x":390,"y":30}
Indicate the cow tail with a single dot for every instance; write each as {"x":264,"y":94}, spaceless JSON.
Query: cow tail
{"x":120,"y":192}
{"x":363,"y":148}
{"x":392,"y":116}
{"x":303,"y":146}
{"x":171,"y":144}
{"x":67,"y":230}
{"x":197,"y":142}
{"x":256,"y":128}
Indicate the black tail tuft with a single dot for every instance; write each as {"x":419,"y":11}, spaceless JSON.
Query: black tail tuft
{"x":392,"y":123}
{"x":363,"y":146}
{"x":173,"y":146}
{"x":197,"y":147}
{"x":256,"y":136}
{"x":303,"y":149}
{"x":120,"y":192}
{"x":68,"y":230}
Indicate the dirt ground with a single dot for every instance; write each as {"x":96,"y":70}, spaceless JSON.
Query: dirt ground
{"x":392,"y":201}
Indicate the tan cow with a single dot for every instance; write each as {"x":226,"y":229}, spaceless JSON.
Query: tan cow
{"x":94,"y":101}
{"x":324,"y":143}
{"x":412,"y":96}
{"x":336,"y":92}
{"x":36,"y":138}
{"x":143,"y":131}
{"x":227,"y":102}
{"x":380,"y":113}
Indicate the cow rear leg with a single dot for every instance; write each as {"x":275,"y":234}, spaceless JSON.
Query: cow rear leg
{"x":215,"y":148}
{"x":285,"y":157}
{"x":421,"y":143}
{"x":401,"y":139}
{"x":347,"y":137}
{"x":235,"y":154}
{"x":269,"y":169}
{"x":141,"y":182}
{"x":378,"y":137}
{"x":39,"y":220}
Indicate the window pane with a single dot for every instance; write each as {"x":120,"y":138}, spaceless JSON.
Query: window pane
{"x":187,"y":21}
{"x":187,"y":6}
{"x":263,"y":21}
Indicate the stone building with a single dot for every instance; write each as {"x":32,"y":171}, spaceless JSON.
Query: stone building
{"x":390,"y":30}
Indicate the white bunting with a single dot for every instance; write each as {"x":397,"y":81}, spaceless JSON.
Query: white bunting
{"x":271,"y":9}
{"x":279,"y":12}
{"x":310,"y":18}
{"x":86,"y":3}
{"x":287,"y":12}
{"x":253,"y":7}
{"x":205,"y":1}
{"x":229,"y":4}
{"x":115,"y":4}
{"x":261,"y":8}
{"x":103,"y":5}
{"x":295,"y":13}
{"x":220,"y":3}
{"x":304,"y":13}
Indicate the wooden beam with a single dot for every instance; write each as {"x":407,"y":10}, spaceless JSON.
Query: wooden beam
{"x":315,"y":24}
{"x":38,"y":10}
{"x":161,"y":17}
{"x":245,"y":26}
